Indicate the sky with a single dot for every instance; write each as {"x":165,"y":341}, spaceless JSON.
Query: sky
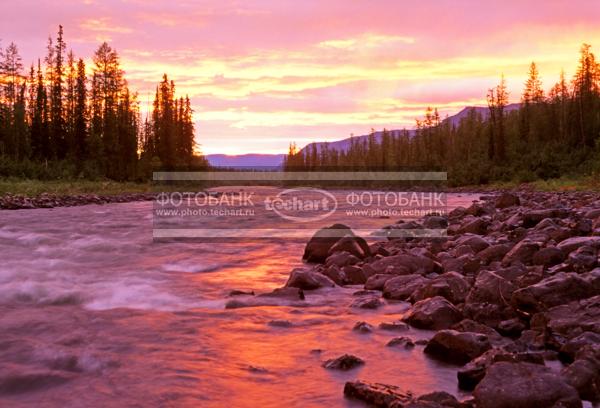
{"x":263,"y":73}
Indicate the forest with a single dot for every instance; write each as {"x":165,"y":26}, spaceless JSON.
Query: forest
{"x":547,"y":136}
{"x":62,"y":120}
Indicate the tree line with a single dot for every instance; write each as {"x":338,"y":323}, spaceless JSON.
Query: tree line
{"x":61,"y":119}
{"x":547,"y":136}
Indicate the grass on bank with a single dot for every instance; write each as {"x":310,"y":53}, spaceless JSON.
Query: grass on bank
{"x":32,"y":188}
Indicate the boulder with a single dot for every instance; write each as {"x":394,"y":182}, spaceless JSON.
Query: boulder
{"x":450,"y":285}
{"x":571,"y":244}
{"x":584,"y":376}
{"x":318,"y":247}
{"x":354,"y":275}
{"x":494,"y":253}
{"x":335,"y":273}
{"x":308,"y":279}
{"x":435,"y":222}
{"x":341,"y":259}
{"x":401,"y":341}
{"x":522,"y":252}
{"x":344,"y":362}
{"x":288,"y":293}
{"x":524,"y":385}
{"x":474,"y":226}
{"x":506,"y":200}
{"x":457,"y":347}
{"x":490,"y":287}
{"x":572,"y":346}
{"x":402,"y":287}
{"x":474,"y":371}
{"x":377,"y":282}
{"x":402,"y":264}
{"x":466,"y":264}
{"x":353,"y":245}
{"x":370,"y":302}
{"x":393,"y":326}
{"x":362,"y":327}
{"x":475,"y":242}
{"x":555,"y":290}
{"x":583,"y":258}
{"x":564,"y":322}
{"x":378,"y":395}
{"x":532,"y":218}
{"x":548,"y":256}
{"x":434,"y":313}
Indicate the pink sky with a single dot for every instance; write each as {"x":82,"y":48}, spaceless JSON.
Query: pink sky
{"x":263,"y":73}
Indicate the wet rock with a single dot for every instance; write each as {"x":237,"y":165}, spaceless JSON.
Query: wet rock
{"x":335,"y":273}
{"x":506,"y":200}
{"x":555,"y":290}
{"x":377,"y":282}
{"x":344,"y":362}
{"x":522,"y":252}
{"x":511,"y":327}
{"x":438,"y":399}
{"x":490,"y":287}
{"x":362,"y":327}
{"x":476,"y":242}
{"x":466,"y":264}
{"x":548,"y":256}
{"x":394,"y":326}
{"x":435,"y":222}
{"x":450,"y":285}
{"x":378,"y":395}
{"x":433,"y":313}
{"x":468,"y":325}
{"x":280,"y":323}
{"x":285,"y":293}
{"x":474,"y":226}
{"x":341,"y":259}
{"x":571,"y":347}
{"x":583,"y":258}
{"x":402,"y":287}
{"x":307,"y":279}
{"x":402,"y":264}
{"x":236,"y":292}
{"x":564,"y":322}
{"x":584,"y":376}
{"x":354,"y":275}
{"x":318,"y":247}
{"x":457,"y":347}
{"x":402,"y":341}
{"x":473,"y":372}
{"x":571,"y":244}
{"x":367,"y":303}
{"x":494,"y":253}
{"x":351,"y":244}
{"x":524,"y":385}
{"x":532,"y":218}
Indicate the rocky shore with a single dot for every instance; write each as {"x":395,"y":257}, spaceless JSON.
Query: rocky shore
{"x":512,"y":296}
{"x":20,"y":202}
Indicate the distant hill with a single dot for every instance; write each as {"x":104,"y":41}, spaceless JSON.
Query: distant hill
{"x":247,"y":161}
{"x":257,"y":160}
{"x":344,"y":144}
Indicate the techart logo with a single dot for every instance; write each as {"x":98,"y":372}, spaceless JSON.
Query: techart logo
{"x":302,"y":204}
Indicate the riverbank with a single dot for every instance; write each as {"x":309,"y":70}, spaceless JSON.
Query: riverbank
{"x":512,"y":297}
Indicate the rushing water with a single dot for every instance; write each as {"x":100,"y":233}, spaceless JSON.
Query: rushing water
{"x":93,"y":313}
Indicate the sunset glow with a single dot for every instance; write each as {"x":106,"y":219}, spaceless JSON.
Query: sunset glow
{"x":261,"y":74}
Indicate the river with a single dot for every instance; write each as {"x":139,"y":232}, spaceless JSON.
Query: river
{"x":94,"y":313}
